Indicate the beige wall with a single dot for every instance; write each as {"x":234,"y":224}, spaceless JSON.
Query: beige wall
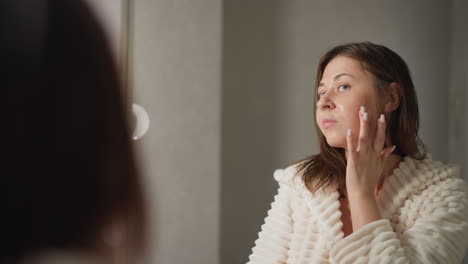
{"x":458,"y":85}
{"x":458,"y":107}
{"x":177,"y":63}
{"x":270,"y":54}
{"x":228,"y":86}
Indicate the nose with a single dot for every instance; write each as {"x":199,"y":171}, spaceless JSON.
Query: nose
{"x":325,"y":102}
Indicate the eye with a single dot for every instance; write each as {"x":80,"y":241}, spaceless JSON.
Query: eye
{"x":320,"y":94}
{"x":343,"y":87}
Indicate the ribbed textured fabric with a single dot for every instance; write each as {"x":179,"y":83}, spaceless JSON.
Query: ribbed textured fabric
{"x":424,"y":209}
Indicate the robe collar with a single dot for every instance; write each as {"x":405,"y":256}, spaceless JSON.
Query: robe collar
{"x":411,"y":176}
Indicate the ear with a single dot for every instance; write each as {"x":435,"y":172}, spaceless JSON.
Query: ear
{"x":392,"y":100}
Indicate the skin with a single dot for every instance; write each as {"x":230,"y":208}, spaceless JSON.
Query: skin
{"x":348,"y":94}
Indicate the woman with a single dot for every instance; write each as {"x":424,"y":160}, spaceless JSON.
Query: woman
{"x":70,"y":188}
{"x":372,"y":194}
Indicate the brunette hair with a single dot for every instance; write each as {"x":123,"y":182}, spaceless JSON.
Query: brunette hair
{"x":70,"y":172}
{"x":328,"y":168}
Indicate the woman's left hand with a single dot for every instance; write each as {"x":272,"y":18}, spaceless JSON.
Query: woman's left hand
{"x":365,"y":163}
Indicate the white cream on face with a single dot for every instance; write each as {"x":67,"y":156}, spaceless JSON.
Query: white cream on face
{"x":343,"y":103}
{"x":341,"y":107}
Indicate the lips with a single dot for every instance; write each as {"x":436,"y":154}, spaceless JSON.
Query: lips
{"x":328,"y":122}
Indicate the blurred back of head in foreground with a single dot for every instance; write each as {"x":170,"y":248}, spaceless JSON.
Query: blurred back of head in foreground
{"x":69,"y":178}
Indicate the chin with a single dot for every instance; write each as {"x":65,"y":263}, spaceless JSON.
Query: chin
{"x":336,"y":145}
{"x":336,"y":142}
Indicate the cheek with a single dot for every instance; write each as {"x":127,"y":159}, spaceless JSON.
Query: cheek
{"x":354,"y":121}
{"x":348,"y":106}
{"x":351,"y":115}
{"x":318,"y":116}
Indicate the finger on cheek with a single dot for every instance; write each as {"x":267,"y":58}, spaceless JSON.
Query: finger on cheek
{"x":363,"y":133}
{"x":349,"y":142}
{"x":380,"y":137}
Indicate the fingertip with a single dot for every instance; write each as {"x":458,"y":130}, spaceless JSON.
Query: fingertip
{"x":386,"y":152}
{"x":348,"y":133}
{"x":382,"y":119}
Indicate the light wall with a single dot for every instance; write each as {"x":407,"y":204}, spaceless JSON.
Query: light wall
{"x":270,"y":53}
{"x":177,"y":78}
{"x":457,"y":104}
{"x":458,"y":119}
{"x":229,"y":87}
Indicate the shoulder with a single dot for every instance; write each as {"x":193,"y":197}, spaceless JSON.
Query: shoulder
{"x":435,"y":173}
{"x":436,"y":181}
{"x":290,"y":178}
{"x":289,"y":175}
{"x":442,"y":201}
{"x":420,"y":174}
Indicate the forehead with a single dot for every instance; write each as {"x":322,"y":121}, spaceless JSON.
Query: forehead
{"x":343,"y":64}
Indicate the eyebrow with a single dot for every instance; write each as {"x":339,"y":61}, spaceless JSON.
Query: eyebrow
{"x":338,"y":76}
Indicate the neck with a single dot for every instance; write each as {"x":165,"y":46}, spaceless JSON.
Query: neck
{"x":390,"y":164}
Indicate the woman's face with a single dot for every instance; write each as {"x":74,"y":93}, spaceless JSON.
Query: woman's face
{"x":344,"y":88}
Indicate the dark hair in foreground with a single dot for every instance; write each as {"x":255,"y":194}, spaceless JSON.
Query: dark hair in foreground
{"x":69,"y":174}
{"x":328,"y":168}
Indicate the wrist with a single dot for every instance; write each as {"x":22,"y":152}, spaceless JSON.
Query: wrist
{"x":361,"y":195}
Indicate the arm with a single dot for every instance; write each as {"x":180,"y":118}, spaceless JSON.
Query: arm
{"x":364,"y":210}
{"x":439,"y":233}
{"x":272,"y":244}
